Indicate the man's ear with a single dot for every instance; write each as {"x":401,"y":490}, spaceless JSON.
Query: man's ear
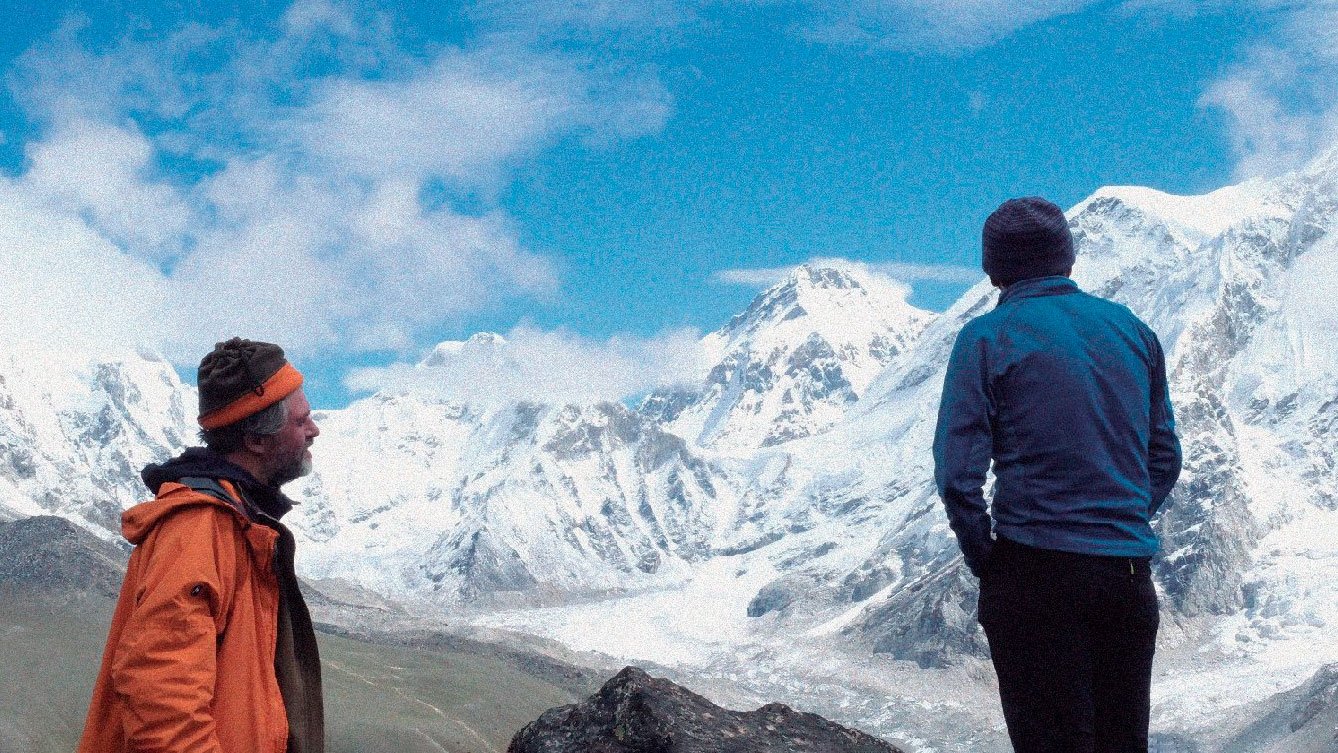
{"x":256,"y":444}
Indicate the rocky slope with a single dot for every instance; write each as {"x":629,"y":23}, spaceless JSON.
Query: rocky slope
{"x":1302,"y":719}
{"x":48,"y":552}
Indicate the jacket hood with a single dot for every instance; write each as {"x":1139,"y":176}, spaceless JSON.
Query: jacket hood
{"x":140,"y":520}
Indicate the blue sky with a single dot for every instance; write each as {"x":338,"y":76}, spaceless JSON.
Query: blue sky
{"x":600,"y":181}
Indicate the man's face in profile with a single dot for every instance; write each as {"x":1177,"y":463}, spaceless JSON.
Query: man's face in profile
{"x":289,"y":453}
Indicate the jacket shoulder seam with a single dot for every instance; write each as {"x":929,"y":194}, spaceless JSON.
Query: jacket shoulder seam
{"x":204,"y":499}
{"x":211,"y":488}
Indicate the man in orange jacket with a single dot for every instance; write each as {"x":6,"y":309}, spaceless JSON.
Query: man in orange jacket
{"x":211,"y":646}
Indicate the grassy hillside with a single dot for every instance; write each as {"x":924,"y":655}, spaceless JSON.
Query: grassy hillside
{"x":50,"y":658}
{"x":383,"y":695}
{"x":453,"y":696}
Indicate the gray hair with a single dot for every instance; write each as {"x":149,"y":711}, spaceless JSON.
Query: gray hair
{"x":265,"y":423}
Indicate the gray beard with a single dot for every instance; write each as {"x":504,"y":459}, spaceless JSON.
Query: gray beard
{"x":293,"y":472}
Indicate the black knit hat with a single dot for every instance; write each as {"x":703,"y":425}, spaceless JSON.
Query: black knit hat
{"x":241,"y":378}
{"x":1026,"y":238}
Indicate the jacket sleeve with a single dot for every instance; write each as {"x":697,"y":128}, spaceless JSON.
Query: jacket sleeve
{"x":963,"y":441}
{"x":163,"y":669}
{"x":1164,"y":455}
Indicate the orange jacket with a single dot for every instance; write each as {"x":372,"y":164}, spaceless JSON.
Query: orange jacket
{"x":189,"y":662}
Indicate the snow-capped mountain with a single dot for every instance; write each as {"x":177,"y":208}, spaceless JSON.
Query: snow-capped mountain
{"x":528,"y":502}
{"x":538,"y":503}
{"x":846,"y":543}
{"x":787,"y":500}
{"x":1217,"y":276}
{"x":794,"y":361}
{"x":75,"y":432}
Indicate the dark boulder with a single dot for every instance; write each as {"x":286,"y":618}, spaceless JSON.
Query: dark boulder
{"x":637,"y":713}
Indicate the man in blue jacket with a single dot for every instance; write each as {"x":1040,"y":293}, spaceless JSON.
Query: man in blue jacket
{"x":1066,"y":393}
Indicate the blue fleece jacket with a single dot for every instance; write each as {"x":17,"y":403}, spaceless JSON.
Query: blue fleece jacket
{"x":1066,"y":393}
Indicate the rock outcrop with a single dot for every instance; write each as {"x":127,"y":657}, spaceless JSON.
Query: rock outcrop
{"x":637,"y":713}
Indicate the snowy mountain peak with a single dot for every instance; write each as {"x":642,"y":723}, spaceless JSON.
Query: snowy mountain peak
{"x":831,"y":275}
{"x":480,"y":342}
{"x":1192,"y":219}
{"x":74,"y":435}
{"x":824,"y":295}
{"x":510,"y":503}
{"x":1324,"y":166}
{"x":790,"y":365}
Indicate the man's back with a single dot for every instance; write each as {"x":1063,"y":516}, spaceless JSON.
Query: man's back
{"x":1066,"y":394}
{"x":1076,"y":392}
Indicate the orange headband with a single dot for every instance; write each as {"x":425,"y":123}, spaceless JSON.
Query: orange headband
{"x":283,"y":383}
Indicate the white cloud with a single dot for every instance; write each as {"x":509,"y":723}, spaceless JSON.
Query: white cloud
{"x":66,"y":287}
{"x":948,"y":26}
{"x":905,"y":273}
{"x":454,"y":120}
{"x":468,"y":114}
{"x":549,"y":367}
{"x":929,"y":25}
{"x":911,"y":273}
{"x":342,"y":266}
{"x":106,"y":173}
{"x":299,"y":218}
{"x":577,"y":17}
{"x":759,"y":277}
{"x":1280,"y":107}
{"x":309,"y":16}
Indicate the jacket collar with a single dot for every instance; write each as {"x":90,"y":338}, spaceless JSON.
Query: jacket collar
{"x":205,"y":463}
{"x":1038,"y":287}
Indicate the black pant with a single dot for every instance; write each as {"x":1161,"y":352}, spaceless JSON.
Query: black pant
{"x":1072,"y":638}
